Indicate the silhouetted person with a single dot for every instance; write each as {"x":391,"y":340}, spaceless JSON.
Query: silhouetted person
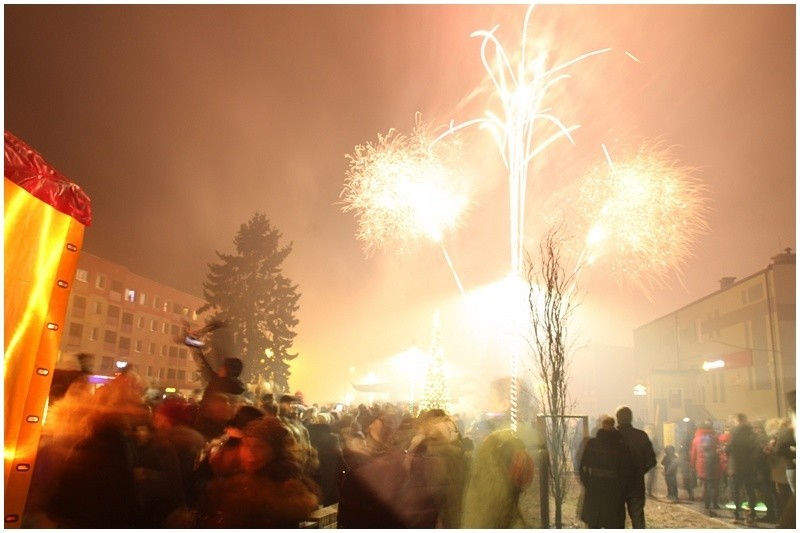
{"x":670,"y":464}
{"x":607,"y":474}
{"x":741,"y":466}
{"x":644,"y":458}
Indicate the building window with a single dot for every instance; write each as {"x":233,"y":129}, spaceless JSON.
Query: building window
{"x":140,"y":322}
{"x":182,"y":353}
{"x":174,"y":330}
{"x":110,"y":337}
{"x":94,"y":335}
{"x":149,"y":371}
{"x":165,"y":306}
{"x":139,"y":345}
{"x":130,"y":295}
{"x":142,"y":298}
{"x":156,"y":302}
{"x":153,"y":325}
{"x":78,"y":306}
{"x":164,"y":328}
{"x":171,"y":373}
{"x":113,"y":312}
{"x":160,"y":373}
{"x":75,"y":333}
{"x":173,"y":352}
{"x":127,"y":319}
{"x":163,"y":349}
{"x":151,"y":348}
{"x":181,"y":375}
{"x":98,"y":308}
{"x":125,"y":343}
{"x":116,"y":286}
{"x":100,"y":282}
{"x":82,"y":275}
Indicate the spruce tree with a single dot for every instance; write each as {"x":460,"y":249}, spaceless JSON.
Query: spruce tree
{"x":248,"y":291}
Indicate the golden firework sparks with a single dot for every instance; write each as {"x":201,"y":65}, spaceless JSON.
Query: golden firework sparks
{"x":641,"y":215}
{"x":403,"y":191}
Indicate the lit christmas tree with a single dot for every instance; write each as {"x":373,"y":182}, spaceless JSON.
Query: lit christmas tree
{"x":435,"y":394}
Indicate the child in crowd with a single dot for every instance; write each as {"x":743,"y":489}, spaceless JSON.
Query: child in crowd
{"x":670,"y":464}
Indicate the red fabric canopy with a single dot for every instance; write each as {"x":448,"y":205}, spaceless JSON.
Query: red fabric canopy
{"x":29,"y":170}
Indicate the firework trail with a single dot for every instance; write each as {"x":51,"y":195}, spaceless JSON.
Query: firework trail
{"x":526,"y":127}
{"x":641,"y":216}
{"x":404,"y":192}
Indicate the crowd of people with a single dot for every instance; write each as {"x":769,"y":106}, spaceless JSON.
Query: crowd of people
{"x":744,"y":465}
{"x":114,"y":457}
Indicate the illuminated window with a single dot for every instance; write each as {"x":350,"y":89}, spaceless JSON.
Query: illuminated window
{"x":130,"y":295}
{"x":82,"y":275}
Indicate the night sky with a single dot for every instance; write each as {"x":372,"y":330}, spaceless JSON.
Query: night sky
{"x":181,"y":122}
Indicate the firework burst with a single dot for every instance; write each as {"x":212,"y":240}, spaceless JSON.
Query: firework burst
{"x":641,"y":216}
{"x":403,"y":191}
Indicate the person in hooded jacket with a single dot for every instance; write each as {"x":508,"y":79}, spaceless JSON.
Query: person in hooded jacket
{"x":705,"y":459}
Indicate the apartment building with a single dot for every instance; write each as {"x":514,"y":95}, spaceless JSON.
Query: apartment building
{"x":121,"y":318}
{"x":731,"y":351}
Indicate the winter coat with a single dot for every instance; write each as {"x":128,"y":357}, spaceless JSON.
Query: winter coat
{"x":607,"y":473}
{"x":501,"y":469}
{"x":642,"y":452}
{"x":329,"y":452}
{"x":705,"y":454}
{"x":742,"y":452}
{"x":256,"y":501}
{"x":376,"y":492}
{"x":724,"y":439}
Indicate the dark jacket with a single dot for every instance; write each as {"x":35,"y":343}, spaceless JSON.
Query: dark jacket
{"x":642,"y":452}
{"x":742,"y":452}
{"x":329,"y":452}
{"x":607,"y":473}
